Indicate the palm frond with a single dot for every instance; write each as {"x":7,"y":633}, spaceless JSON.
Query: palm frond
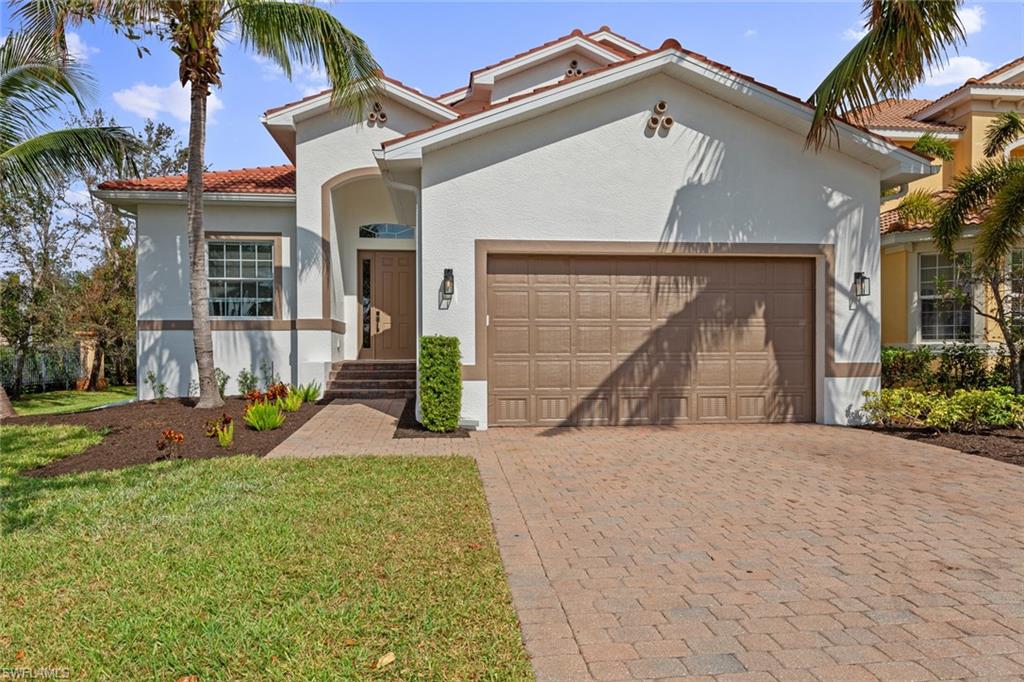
{"x":904,"y":40}
{"x":1008,"y":127}
{"x":290,"y":33}
{"x":970,"y":192}
{"x":35,"y":73}
{"x":917,"y":207}
{"x":1003,"y":227}
{"x":930,"y":145}
{"x":44,"y":160}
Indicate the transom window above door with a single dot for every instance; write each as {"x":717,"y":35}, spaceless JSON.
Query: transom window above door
{"x":241,"y":275}
{"x":387,"y":231}
{"x":946,"y":297}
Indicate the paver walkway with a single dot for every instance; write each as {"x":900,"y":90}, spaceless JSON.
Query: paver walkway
{"x":740,"y":552}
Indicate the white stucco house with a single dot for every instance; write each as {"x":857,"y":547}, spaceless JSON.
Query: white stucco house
{"x":630,"y":235}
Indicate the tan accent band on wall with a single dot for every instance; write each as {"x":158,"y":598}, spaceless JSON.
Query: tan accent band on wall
{"x":336,"y":326}
{"x":325,"y":226}
{"x":484,"y":247}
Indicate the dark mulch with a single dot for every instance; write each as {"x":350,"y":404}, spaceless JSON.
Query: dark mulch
{"x":1003,"y":445}
{"x":132,"y":432}
{"x":408,"y":427}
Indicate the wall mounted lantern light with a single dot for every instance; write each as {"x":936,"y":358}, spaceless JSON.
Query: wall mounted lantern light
{"x":448,"y":285}
{"x":861,"y":284}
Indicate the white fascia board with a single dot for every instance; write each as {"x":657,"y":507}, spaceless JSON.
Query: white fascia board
{"x":120,"y":196}
{"x":317,"y":105}
{"x":894,"y":161}
{"x":982,"y":90}
{"x":1007,"y":75}
{"x":488,"y":76}
{"x":453,"y":97}
{"x":920,"y":235}
{"x":619,"y":41}
{"x":914,"y":133}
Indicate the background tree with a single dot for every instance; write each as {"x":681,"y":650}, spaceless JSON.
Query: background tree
{"x":38,"y":80}
{"x":903,"y":40}
{"x":280,"y":31}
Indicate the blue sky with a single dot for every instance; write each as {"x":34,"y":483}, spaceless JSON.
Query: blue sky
{"x":434,"y":46}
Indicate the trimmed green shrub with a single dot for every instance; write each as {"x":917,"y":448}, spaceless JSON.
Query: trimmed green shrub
{"x":906,"y":368}
{"x":963,"y":410}
{"x":264,"y":416}
{"x":962,"y":365}
{"x":440,"y":382}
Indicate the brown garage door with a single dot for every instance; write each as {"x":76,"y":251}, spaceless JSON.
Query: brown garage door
{"x":624,"y":340}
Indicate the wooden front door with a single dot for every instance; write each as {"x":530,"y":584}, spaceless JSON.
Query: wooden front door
{"x":388,"y":292}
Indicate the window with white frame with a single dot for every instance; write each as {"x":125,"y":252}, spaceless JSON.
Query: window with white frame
{"x":241,"y":277}
{"x":945,"y":297}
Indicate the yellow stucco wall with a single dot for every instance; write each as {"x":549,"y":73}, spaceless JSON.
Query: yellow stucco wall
{"x":931,"y":183}
{"x":894,"y":298}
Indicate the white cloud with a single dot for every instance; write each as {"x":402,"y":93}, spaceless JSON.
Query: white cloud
{"x":750,"y":33}
{"x":78,"y":48}
{"x":973,"y":18}
{"x":957,"y":70}
{"x":854,"y":34}
{"x":307,"y":79}
{"x":149,"y":101}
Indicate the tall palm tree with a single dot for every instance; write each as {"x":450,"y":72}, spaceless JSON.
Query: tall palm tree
{"x":1008,"y":127}
{"x":37,"y":81}
{"x":285,"y":32}
{"x":903,"y":40}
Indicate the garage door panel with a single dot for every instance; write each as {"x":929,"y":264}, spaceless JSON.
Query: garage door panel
{"x":551,"y":339}
{"x":510,"y":305}
{"x":621,"y":340}
{"x":593,"y":339}
{"x":593,"y":305}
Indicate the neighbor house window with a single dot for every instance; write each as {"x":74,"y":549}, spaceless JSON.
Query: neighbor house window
{"x":241,"y":278}
{"x":945,"y":295}
{"x":1017,"y":282}
{"x":387,"y":231}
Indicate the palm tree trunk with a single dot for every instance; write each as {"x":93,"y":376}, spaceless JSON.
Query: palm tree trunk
{"x":6,"y":409}
{"x":199,"y":286}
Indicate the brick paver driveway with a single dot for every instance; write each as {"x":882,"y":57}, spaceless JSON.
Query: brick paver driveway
{"x":743,"y":552}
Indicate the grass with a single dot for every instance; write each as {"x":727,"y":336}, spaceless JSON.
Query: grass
{"x":63,"y":402}
{"x":243,"y":568}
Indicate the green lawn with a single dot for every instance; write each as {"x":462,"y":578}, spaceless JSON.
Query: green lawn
{"x":244,"y":568}
{"x":62,"y":402}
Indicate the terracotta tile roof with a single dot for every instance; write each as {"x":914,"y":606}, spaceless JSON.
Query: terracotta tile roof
{"x":981,"y":79}
{"x":260,"y":180}
{"x":891,"y":222}
{"x":895,"y":113}
{"x":613,"y":47}
{"x":669,"y":44}
{"x":382,"y":76}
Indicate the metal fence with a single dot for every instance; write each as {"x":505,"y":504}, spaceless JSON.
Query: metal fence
{"x":45,"y":369}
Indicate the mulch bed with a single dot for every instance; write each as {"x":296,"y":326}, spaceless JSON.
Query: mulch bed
{"x":1003,"y":445}
{"x":132,"y":432}
{"x":408,"y":427}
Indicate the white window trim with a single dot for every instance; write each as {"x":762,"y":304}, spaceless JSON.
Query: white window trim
{"x":914,"y":305}
{"x":273,"y":277}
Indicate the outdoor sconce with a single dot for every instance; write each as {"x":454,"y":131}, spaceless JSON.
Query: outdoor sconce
{"x":861,"y":284}
{"x":448,"y":285}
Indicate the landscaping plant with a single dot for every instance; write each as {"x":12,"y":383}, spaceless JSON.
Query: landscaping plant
{"x":264,"y":416}
{"x":290,"y":402}
{"x":906,"y":368}
{"x":170,"y":440}
{"x":246,"y":382}
{"x":310,"y":392}
{"x":222,"y":380}
{"x":967,"y":410}
{"x":440,"y":382}
{"x":159,"y":387}
{"x":223,"y":429}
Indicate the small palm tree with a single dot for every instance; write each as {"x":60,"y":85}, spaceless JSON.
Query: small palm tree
{"x":930,"y":145}
{"x":994,"y":190}
{"x":282,"y":31}
{"x":36,"y":82}
{"x":1008,"y":127}
{"x":903,"y":40}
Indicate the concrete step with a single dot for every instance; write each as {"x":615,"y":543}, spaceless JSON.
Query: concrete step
{"x":371,"y":374}
{"x":345,"y":383}
{"x":375,"y":365}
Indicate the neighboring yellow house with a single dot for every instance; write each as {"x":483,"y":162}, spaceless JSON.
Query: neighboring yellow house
{"x":912,"y":312}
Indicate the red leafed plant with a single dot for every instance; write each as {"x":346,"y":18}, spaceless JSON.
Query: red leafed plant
{"x":170,"y":440}
{"x":276,"y":391}
{"x":214,"y":425}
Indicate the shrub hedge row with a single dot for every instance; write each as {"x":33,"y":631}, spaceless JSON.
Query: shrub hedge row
{"x":440,"y":382}
{"x":963,"y":410}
